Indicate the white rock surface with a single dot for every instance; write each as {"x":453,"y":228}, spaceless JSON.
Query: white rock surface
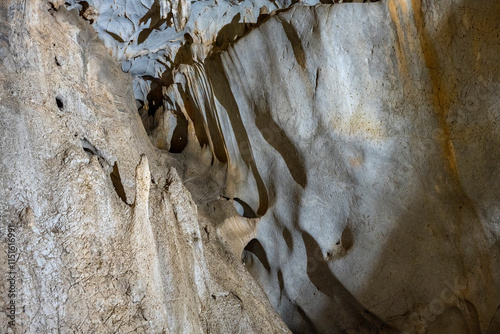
{"x":357,"y":140}
{"x":108,"y":238}
{"x":358,"y":133}
{"x":372,"y":131}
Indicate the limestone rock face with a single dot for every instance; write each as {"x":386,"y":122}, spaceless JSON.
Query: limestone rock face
{"x":346,"y":154}
{"x":371,"y":133}
{"x":105,"y":236}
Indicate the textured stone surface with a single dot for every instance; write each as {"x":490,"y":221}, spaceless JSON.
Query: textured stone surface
{"x":109,"y":239}
{"x":347,"y":152}
{"x":373,"y":130}
{"x":150,"y":45}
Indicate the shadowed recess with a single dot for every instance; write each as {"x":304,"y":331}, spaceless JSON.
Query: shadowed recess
{"x":201,"y":92}
{"x":247,"y":209}
{"x":307,"y":325}
{"x":222,"y":91}
{"x":346,"y":311}
{"x":278,"y":139}
{"x":295,"y":41}
{"x":195,"y":115}
{"x":201,"y":108}
{"x":155,"y":95}
{"x":230,"y":32}
{"x":347,"y":238}
{"x":180,"y":136}
{"x":287,"y":236}
{"x":117,"y":183}
{"x":89,"y":148}
{"x":255,"y":247}
{"x":184,"y":54}
{"x":281,"y":282}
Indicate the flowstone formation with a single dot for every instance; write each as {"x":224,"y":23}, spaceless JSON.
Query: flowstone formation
{"x":214,"y":166}
{"x":106,"y":237}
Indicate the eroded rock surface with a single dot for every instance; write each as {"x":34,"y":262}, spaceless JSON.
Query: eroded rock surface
{"x":372,"y":130}
{"x":108,"y":238}
{"x":347,"y":152}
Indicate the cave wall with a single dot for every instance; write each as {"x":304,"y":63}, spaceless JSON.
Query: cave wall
{"x":345,"y":153}
{"x":106,"y":237}
{"x":373,"y":129}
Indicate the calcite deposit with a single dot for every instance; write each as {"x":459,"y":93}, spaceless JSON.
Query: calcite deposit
{"x":250,"y":166}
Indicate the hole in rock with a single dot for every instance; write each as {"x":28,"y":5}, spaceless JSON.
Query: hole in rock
{"x":155,"y":98}
{"x":256,"y":248}
{"x":85,"y":5}
{"x":179,"y":138}
{"x":117,"y":183}
{"x":59,"y":103}
{"x":91,"y":150}
{"x":88,"y":147}
{"x":243,"y":208}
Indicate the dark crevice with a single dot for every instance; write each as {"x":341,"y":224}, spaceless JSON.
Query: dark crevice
{"x":51,"y":8}
{"x":89,"y":148}
{"x":196,"y":116}
{"x":247,"y":209}
{"x":295,"y":41}
{"x":179,"y":138}
{"x":155,"y":97}
{"x":117,"y":183}
{"x":255,"y":247}
{"x":59,"y":103}
{"x":287,"y":236}
{"x":86,"y":11}
{"x":281,"y":282}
